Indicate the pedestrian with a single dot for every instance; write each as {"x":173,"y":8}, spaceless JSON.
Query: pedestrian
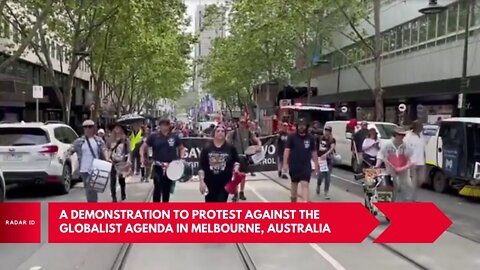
{"x":417,"y":142}
{"x":242,"y":138}
{"x":121,"y":159}
{"x":218,"y":161}
{"x":396,"y":156}
{"x":135,"y":139}
{"x":166,"y":147}
{"x":370,"y":148}
{"x":88,"y":147}
{"x":281,"y":141}
{"x":144,"y":168}
{"x":299,"y":151}
{"x":357,"y":142}
{"x":101,"y":134}
{"x":326,"y":150}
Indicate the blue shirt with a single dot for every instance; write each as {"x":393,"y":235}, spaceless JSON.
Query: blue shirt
{"x":164,"y":148}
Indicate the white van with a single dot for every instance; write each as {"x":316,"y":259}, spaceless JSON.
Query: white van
{"x":344,"y":139}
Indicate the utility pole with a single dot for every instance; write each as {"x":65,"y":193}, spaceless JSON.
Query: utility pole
{"x":464,"y":81}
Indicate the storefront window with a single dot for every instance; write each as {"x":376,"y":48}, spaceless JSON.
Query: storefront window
{"x":432,"y":26}
{"x":406,"y":34}
{"x":414,"y":26}
{"x":452,"y":18}
{"x":442,"y":24}
{"x":423,"y":30}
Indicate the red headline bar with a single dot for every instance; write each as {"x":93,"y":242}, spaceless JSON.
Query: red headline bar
{"x":20,"y":223}
{"x":237,"y":223}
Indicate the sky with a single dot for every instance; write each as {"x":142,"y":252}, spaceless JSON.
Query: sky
{"x":192,"y":7}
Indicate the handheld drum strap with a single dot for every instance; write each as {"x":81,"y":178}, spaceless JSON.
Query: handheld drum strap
{"x":91,"y":148}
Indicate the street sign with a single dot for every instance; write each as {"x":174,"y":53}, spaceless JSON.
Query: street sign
{"x":402,"y":107}
{"x":344,"y":109}
{"x":37,"y":91}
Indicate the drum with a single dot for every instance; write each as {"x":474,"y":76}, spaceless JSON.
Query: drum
{"x":99,"y":175}
{"x":179,"y":170}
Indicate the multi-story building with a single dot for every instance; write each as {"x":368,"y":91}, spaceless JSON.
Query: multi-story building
{"x":16,"y":82}
{"x":421,"y":63}
{"x":207,"y":33}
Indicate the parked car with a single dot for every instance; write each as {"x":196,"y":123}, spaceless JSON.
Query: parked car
{"x":2,"y":187}
{"x":31,"y":153}
{"x":343,"y":138}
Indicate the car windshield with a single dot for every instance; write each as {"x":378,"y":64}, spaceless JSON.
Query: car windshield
{"x":22,"y":136}
{"x":385,"y":130}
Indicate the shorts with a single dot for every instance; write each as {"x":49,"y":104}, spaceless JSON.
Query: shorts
{"x":244,"y":164}
{"x":296,"y":177}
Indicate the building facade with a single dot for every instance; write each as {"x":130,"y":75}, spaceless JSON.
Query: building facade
{"x":421,"y":63}
{"x":207,"y":30}
{"x":16,"y":82}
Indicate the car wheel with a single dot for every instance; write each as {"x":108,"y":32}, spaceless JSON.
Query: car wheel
{"x":66,"y":183}
{"x":440,"y":182}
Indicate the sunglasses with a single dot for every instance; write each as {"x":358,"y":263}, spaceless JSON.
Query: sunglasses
{"x":87,"y":126}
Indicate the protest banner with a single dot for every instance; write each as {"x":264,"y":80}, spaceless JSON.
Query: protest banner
{"x":196,"y":144}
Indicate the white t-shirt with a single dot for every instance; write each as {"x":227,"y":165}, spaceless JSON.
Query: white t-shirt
{"x":87,"y":157}
{"x":417,"y":144}
{"x":372,"y":151}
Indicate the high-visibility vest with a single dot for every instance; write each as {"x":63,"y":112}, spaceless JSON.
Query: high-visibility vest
{"x":135,"y":139}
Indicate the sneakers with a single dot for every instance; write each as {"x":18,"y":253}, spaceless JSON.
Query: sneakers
{"x":326,"y":196}
{"x":318,"y":190}
{"x":235,"y":198}
{"x":242,"y":196}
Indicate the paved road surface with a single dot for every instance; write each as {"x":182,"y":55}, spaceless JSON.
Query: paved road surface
{"x":63,"y":256}
{"x":452,"y":251}
{"x":462,"y":211}
{"x":449,"y":252}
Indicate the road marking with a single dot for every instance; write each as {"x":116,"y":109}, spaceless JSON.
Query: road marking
{"x":35,"y":268}
{"x":346,"y":180}
{"x":315,"y":247}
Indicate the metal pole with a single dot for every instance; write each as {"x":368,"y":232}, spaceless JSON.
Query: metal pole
{"x":37,"y":109}
{"x":337,"y":105}
{"x":464,"y":79}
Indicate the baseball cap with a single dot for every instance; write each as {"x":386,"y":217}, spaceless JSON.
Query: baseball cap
{"x":87,"y":123}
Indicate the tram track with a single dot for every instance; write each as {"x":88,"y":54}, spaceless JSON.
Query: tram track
{"x":387,"y":247}
{"x":122,"y":256}
{"x":245,"y":257}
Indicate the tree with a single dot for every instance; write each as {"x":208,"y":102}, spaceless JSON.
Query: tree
{"x":355,"y":12}
{"x":18,"y":14}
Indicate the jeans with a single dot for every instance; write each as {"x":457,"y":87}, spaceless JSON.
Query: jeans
{"x":113,"y":183}
{"x":280,"y":163}
{"x":161,"y":185}
{"x":92,"y":195}
{"x":326,"y":176}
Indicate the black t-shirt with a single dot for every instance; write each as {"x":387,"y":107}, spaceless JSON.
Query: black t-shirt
{"x":359,"y":137}
{"x":324,"y":144}
{"x":281,"y":142}
{"x":164,"y":148}
{"x":218,"y":163}
{"x":301,"y":148}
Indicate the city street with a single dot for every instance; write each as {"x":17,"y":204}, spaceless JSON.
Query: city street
{"x":64,"y":256}
{"x":460,"y":242}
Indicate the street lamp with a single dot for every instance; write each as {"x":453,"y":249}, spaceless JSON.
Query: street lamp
{"x":434,"y":8}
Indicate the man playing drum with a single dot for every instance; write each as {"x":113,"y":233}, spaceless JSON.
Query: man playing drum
{"x":166,"y":147}
{"x":218,"y":161}
{"x":242,"y":138}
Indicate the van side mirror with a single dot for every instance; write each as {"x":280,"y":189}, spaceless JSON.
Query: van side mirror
{"x":348,"y":135}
